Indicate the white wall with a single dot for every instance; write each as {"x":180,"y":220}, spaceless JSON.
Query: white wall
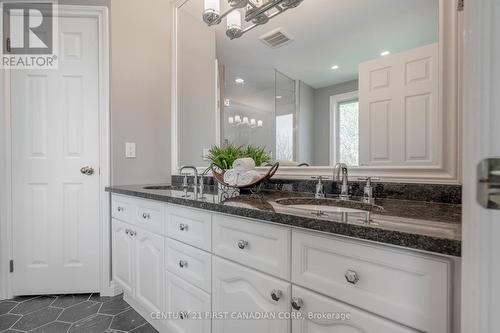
{"x":140,"y":90}
{"x":322,"y":119}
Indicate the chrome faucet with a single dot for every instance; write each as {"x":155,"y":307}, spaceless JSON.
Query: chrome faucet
{"x":344,"y":190}
{"x":185,"y":181}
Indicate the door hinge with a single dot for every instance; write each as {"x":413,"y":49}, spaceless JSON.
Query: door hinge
{"x":461,"y":5}
{"x":11,"y":266}
{"x":7,"y":45}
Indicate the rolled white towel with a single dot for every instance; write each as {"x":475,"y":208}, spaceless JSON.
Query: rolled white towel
{"x":244,"y":164}
{"x":231,"y":177}
{"x":247,"y":178}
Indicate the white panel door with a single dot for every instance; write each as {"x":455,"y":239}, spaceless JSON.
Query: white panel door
{"x":313,"y":305}
{"x":238,"y":290}
{"x":55,"y":132}
{"x":123,"y":255}
{"x":149,"y":269}
{"x":400,"y":117}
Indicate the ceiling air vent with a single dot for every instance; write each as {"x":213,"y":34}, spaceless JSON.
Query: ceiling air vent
{"x":276,"y":38}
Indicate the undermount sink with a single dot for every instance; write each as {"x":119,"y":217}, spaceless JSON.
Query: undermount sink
{"x":159,"y":187}
{"x":327,"y":209}
{"x":329,"y":205}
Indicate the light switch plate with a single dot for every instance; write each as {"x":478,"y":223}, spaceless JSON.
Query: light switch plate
{"x":130,"y":150}
{"x":206,"y":151}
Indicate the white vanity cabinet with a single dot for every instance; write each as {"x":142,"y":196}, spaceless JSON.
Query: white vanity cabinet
{"x":138,"y":264}
{"x":238,"y":290}
{"x":190,"y":305}
{"x":212,"y":272}
{"x":123,"y":255}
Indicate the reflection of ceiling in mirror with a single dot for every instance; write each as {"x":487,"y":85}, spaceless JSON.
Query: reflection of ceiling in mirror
{"x":327,"y":33}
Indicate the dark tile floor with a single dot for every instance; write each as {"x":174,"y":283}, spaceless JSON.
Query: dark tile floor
{"x":86,"y":313}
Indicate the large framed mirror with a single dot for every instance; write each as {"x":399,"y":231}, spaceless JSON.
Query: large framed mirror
{"x":372,"y":84}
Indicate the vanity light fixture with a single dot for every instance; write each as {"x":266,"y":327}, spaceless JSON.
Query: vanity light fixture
{"x":385,"y":53}
{"x":334,"y":67}
{"x":256,"y":12}
{"x":239,"y":80}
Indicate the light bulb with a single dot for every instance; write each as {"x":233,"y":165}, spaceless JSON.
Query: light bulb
{"x":245,"y":120}
{"x":234,"y":20}
{"x":211,"y":14}
{"x":252,"y":122}
{"x":260,"y":123}
{"x":230,"y":120}
{"x":237,"y":119}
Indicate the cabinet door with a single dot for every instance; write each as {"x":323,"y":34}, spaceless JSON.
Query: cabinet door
{"x":123,"y":255}
{"x":240,"y":292}
{"x":336,"y":317}
{"x":149,"y":269}
{"x":188,"y":305}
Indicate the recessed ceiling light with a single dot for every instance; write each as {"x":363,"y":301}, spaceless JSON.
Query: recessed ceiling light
{"x":334,"y":67}
{"x":279,"y":97}
{"x":385,"y":53}
{"x":239,"y":80}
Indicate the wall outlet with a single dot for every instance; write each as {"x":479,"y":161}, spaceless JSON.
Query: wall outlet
{"x":206,"y":151}
{"x":130,"y":150}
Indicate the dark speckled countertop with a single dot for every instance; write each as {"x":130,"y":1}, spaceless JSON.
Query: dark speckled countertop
{"x":427,"y":226}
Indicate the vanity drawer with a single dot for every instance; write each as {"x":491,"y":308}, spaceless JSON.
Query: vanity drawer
{"x":150,"y":215}
{"x":190,"y":226}
{"x":180,"y":297}
{"x":122,"y":208}
{"x":259,"y":245}
{"x":191,"y":264}
{"x":147,"y":214}
{"x":410,"y":288}
{"x":359,"y":320}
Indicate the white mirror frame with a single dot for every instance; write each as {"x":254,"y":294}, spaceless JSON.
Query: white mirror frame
{"x":448,"y":170}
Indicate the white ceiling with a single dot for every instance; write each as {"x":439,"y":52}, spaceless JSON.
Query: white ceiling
{"x":326,"y":33}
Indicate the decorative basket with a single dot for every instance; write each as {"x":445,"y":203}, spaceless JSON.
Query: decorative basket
{"x":219,"y":176}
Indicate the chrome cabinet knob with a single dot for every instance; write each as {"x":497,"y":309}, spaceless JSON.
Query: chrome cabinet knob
{"x":242,"y":244}
{"x":183,"y":227}
{"x":276,"y":295}
{"x":120,"y":209}
{"x":183,"y":263}
{"x":87,"y":171}
{"x":127,"y":232}
{"x":146,"y":216}
{"x":351,"y":276}
{"x":297,"y":303}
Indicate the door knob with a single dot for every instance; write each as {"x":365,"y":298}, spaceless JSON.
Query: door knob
{"x":87,"y":171}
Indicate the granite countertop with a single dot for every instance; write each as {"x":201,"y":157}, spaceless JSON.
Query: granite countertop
{"x":427,"y":226}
